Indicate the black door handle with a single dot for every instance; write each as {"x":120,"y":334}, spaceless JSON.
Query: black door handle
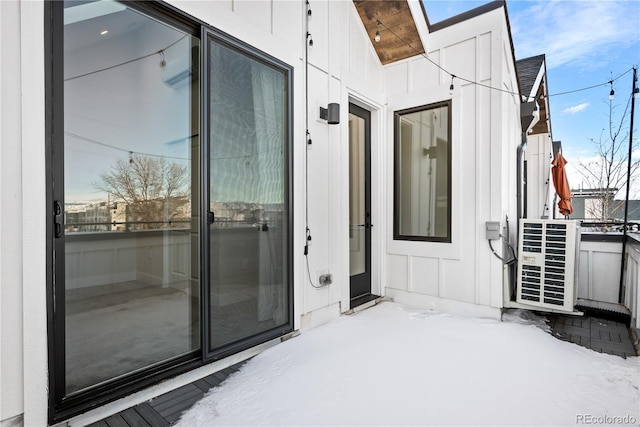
{"x":210,"y":217}
{"x":58,"y":219}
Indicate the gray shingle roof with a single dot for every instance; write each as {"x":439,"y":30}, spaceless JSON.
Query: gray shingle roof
{"x":528,"y":69}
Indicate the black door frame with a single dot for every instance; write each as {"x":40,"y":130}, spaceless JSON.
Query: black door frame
{"x":360,"y":285}
{"x":208,"y":354}
{"x":61,"y":406}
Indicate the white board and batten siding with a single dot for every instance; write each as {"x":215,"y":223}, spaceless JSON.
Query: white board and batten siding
{"x":540,"y":191}
{"x":343,"y":67}
{"x":461,"y":276}
{"x":23,"y":309}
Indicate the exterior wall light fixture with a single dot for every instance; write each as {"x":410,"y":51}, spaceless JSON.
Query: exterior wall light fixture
{"x":331,"y":114}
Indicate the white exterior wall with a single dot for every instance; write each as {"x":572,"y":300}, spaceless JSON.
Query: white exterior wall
{"x":539,"y":155}
{"x":461,"y":276}
{"x":23,"y":315}
{"x":11,"y":354}
{"x":343,"y":67}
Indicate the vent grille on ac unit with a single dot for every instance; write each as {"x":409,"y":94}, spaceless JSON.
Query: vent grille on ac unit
{"x":546,"y":266}
{"x":555,"y":264}
{"x":532,"y":237}
{"x":531,"y":281}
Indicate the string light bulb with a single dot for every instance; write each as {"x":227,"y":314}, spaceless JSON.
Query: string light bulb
{"x":377,"y":36}
{"x":163,"y":62}
{"x":612,"y":92}
{"x":453,"y":76}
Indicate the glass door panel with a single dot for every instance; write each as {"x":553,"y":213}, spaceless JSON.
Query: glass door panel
{"x":248,"y":142}
{"x":359,"y":205}
{"x":130,"y":202}
{"x":357,"y":224}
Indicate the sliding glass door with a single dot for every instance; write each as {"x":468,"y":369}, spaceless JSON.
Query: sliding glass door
{"x":248,"y":104}
{"x":128,"y":210}
{"x":171,"y":213}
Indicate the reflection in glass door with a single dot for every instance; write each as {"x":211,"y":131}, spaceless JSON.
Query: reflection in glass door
{"x":248,"y":196}
{"x":359,"y":205}
{"x":127,"y":240}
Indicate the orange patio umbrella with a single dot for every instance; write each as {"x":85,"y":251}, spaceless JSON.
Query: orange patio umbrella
{"x":561,"y":184}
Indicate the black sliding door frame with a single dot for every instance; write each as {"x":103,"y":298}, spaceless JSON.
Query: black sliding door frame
{"x":209,"y":354}
{"x":62,"y":406}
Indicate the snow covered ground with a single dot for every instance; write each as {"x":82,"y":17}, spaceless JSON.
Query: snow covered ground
{"x":396,"y":365}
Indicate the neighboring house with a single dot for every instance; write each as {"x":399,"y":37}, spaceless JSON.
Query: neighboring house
{"x":324,"y":169}
{"x":593,"y":204}
{"x":539,"y":149}
{"x":589,"y":204}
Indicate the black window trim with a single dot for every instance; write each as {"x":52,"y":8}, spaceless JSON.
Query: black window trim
{"x":397,"y":117}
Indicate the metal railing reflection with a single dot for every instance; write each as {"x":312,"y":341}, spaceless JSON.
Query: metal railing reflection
{"x":611,"y":226}
{"x":125,"y":226}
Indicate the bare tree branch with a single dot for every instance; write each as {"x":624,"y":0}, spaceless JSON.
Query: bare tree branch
{"x":152,"y":188}
{"x":607,"y":174}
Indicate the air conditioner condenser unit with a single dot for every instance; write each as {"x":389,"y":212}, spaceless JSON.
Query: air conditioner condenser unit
{"x":548,"y":264}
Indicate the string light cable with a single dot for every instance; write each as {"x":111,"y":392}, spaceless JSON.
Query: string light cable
{"x":124,"y":150}
{"x":307,"y":238}
{"x":142,"y":153}
{"x":608,"y":82}
{"x":159,"y":52}
{"x":626,"y":108}
{"x":423,"y":54}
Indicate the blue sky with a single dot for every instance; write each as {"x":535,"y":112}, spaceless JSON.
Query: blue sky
{"x":586,"y":42}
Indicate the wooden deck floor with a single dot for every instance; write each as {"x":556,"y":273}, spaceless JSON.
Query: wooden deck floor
{"x":596,"y":333}
{"x":166,"y":409}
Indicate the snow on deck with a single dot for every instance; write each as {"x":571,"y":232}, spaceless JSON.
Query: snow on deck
{"x":395,"y":365}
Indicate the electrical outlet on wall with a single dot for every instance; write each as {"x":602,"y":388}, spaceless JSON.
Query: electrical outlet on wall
{"x":324,"y":277}
{"x":493,"y":230}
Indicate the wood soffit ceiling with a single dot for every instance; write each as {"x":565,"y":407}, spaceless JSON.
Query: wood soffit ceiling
{"x":543,"y":125}
{"x":399,"y":37}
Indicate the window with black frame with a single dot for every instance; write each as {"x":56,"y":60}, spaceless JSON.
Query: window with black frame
{"x":422,"y":188}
